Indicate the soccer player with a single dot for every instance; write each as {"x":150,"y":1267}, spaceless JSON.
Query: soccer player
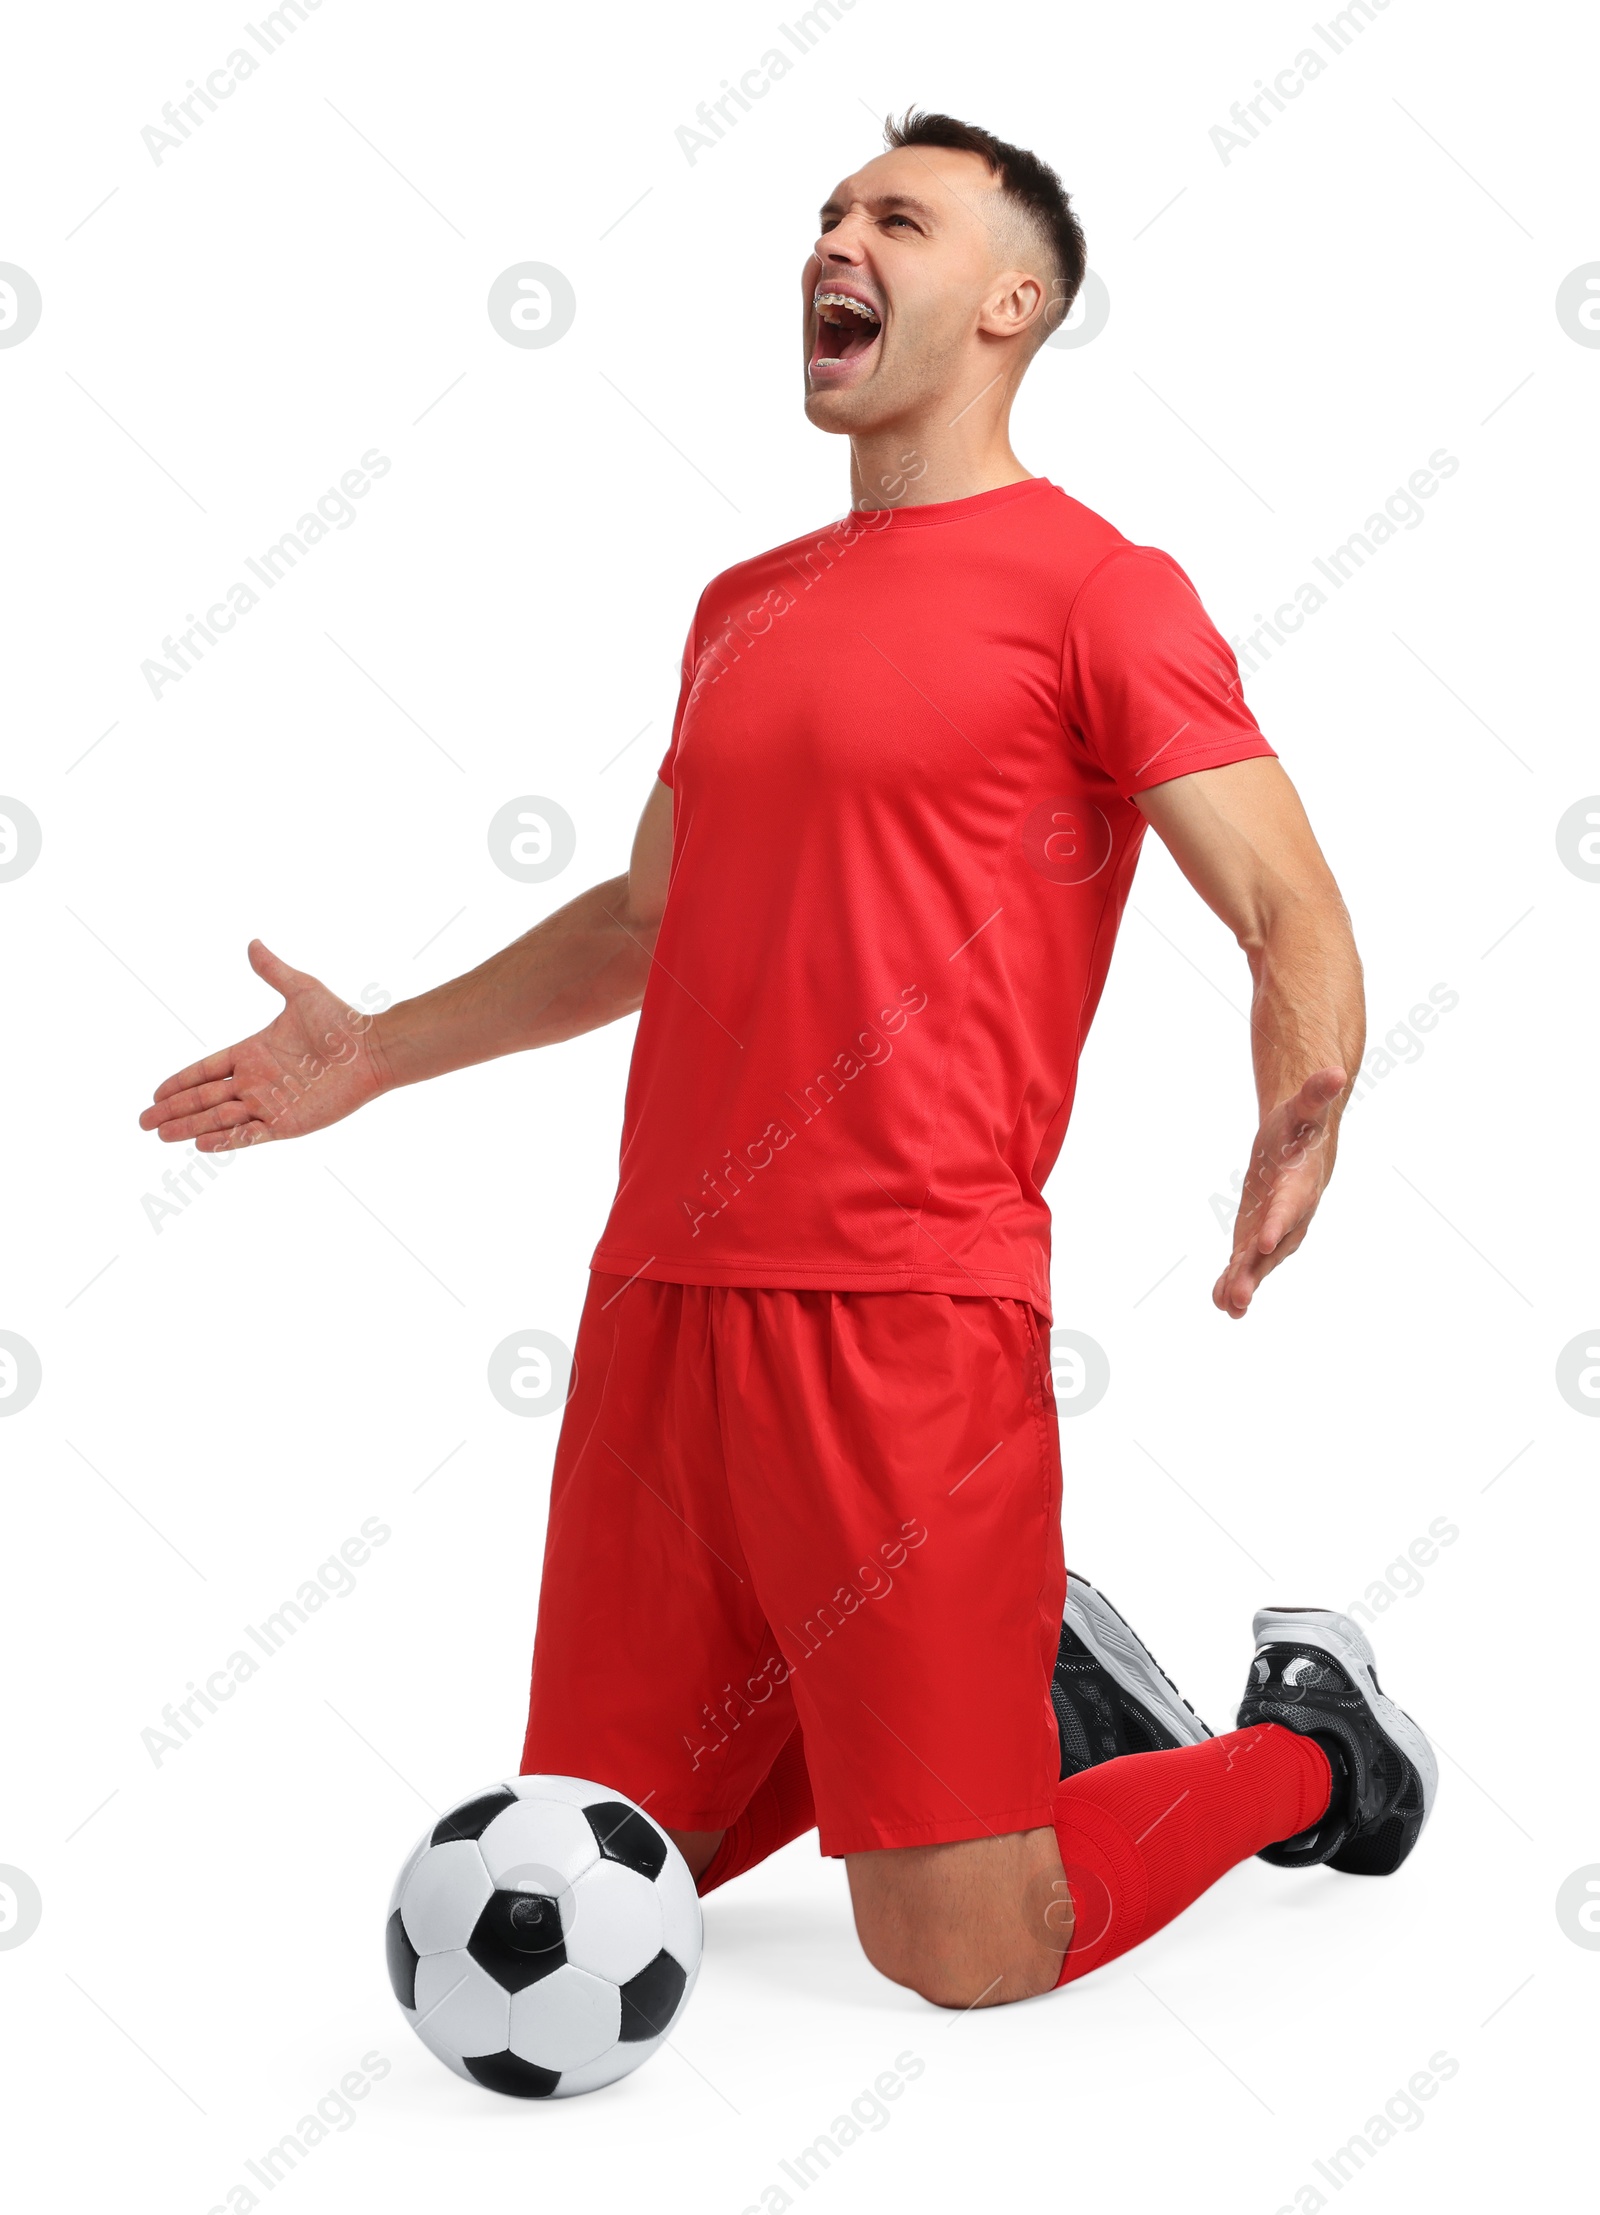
{"x":804,"y":1559}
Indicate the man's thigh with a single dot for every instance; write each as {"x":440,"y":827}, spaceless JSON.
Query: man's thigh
{"x":894,"y":1468}
{"x":654,"y":1670}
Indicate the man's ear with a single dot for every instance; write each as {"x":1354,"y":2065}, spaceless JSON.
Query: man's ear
{"x":1015,"y":304}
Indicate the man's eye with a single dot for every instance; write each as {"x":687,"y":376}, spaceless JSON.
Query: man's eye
{"x":905,"y":219}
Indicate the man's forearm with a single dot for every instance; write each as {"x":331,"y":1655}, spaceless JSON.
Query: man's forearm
{"x":582,"y":967}
{"x":1308,"y":1009}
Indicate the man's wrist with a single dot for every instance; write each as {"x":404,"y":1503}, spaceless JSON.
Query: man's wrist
{"x":379,"y":1041}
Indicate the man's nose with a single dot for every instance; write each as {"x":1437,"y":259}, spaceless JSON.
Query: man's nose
{"x":845,"y":243}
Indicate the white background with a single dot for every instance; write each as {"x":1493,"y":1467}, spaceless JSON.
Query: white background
{"x":303,"y":1346}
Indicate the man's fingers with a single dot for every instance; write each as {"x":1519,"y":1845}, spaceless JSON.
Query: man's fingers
{"x":188,"y":1102}
{"x":1281,"y":1194}
{"x":1248,"y":1267}
{"x":1246,"y":1271}
{"x":271,"y":970}
{"x":219,"y":1064}
{"x":1234,"y":1290}
{"x":227,"y":1115}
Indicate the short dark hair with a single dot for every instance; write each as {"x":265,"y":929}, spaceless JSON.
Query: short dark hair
{"x":1030,"y":184}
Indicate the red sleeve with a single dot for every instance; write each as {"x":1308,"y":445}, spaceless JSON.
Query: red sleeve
{"x":1148,"y":684}
{"x":685,"y":683}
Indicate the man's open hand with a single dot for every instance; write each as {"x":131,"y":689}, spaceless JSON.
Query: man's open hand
{"x":1290,"y":1163}
{"x":315,"y":1063}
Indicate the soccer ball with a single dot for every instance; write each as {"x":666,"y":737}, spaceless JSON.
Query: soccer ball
{"x":543,"y":1937}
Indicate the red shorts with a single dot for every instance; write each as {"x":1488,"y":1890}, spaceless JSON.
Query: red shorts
{"x":836,"y":1510}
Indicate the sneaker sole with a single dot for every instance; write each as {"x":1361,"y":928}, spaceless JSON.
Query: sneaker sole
{"x":1344,"y":1642}
{"x":1129,"y":1662}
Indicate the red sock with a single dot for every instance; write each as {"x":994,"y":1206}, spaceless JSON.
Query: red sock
{"x":1142,"y":1837}
{"x":779,"y":1809}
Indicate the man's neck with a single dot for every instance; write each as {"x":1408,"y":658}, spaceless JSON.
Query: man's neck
{"x":914,"y":466}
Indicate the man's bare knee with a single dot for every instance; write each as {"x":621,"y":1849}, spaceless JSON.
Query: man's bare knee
{"x":971,"y":1924}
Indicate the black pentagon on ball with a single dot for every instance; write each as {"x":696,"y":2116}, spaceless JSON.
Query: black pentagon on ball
{"x":402,"y":1957}
{"x":518,"y":1939}
{"x":650,"y":1999}
{"x":508,"y":2072}
{"x":473,"y":1817}
{"x":624,"y":1835}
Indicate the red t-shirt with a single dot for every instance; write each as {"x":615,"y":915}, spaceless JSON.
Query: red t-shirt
{"x":902,"y":766}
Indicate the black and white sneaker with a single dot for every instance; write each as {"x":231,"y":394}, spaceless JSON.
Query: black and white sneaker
{"x":1314,"y":1673}
{"x":1109,"y":1694}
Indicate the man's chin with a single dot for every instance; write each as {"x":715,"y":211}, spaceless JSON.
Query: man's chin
{"x":844,"y":408}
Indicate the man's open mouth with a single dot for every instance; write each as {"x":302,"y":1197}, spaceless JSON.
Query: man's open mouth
{"x":848,"y":327}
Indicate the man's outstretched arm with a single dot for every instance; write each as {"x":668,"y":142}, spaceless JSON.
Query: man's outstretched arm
{"x":319,"y":1060}
{"x":1241,"y":838}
